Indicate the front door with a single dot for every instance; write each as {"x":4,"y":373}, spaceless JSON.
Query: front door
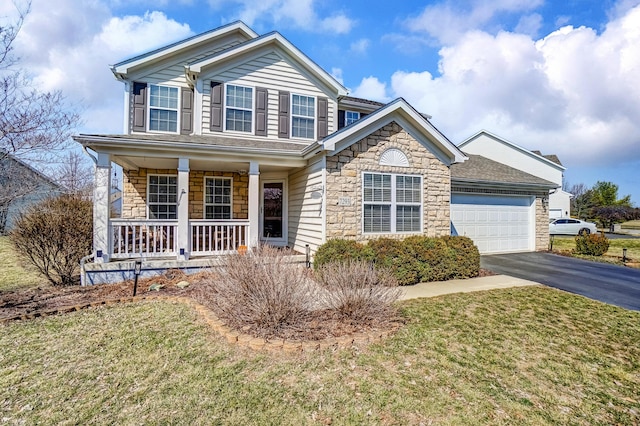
{"x":273,"y":227}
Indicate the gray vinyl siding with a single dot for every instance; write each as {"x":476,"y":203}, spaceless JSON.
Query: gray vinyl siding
{"x":306,"y":207}
{"x":274,"y":73}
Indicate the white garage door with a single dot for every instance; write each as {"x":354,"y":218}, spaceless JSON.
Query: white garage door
{"x":496,"y":224}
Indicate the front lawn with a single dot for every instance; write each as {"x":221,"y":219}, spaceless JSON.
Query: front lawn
{"x":564,"y":244}
{"x":14,"y":274}
{"x":519,"y":356}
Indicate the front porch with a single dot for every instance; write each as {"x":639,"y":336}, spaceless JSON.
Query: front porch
{"x":196,"y":209}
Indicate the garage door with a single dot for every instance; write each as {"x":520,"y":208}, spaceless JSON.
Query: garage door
{"x":496,"y":224}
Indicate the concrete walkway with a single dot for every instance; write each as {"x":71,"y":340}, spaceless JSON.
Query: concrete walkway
{"x":462,"y":286}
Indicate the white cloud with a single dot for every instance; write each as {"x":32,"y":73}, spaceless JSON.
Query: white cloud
{"x":300,"y":14}
{"x":82,"y":39}
{"x":360,"y":46}
{"x":372,"y":88}
{"x":575,"y":92}
{"x":529,"y":24}
{"x":449,"y":20}
{"x":337,"y":74}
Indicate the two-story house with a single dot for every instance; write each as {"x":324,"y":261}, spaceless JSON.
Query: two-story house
{"x":232,"y":139}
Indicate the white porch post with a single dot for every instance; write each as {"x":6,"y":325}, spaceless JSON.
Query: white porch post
{"x":183,"y":209}
{"x":101,"y":208}
{"x":254,"y":203}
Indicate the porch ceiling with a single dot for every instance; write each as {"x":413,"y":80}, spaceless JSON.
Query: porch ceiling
{"x":129,"y":162}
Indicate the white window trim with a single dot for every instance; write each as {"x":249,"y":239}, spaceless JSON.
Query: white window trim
{"x":204,"y":197}
{"x":166,"y":109}
{"x":148,"y":203}
{"x":253,"y":106}
{"x":315,"y":116}
{"x":345,"y":117}
{"x":393,"y":204}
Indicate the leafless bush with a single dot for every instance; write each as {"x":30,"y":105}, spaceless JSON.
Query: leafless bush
{"x":262,"y":293}
{"x":357,"y":291}
{"x":54,"y":235}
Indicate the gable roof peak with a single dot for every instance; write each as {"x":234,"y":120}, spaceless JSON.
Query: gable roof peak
{"x":122,"y":67}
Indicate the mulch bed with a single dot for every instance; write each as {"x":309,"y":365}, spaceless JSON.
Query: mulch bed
{"x":319,"y":325}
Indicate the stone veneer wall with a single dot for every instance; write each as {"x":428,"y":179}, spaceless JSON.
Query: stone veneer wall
{"x":134,"y":193}
{"x":344,"y":179}
{"x":542,"y":224}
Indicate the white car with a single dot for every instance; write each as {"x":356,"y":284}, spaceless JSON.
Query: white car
{"x":568,"y":226}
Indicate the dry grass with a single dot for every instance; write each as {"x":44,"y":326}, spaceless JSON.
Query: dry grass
{"x":566,"y":244}
{"x":520,"y":356}
{"x":15,"y":274}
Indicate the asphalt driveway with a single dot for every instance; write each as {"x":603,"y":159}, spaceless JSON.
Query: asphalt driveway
{"x":607,"y":283}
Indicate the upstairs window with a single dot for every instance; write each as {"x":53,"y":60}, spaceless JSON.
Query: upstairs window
{"x":238,"y":108}
{"x":162,"y":197}
{"x":303,"y":113}
{"x":163,"y":108}
{"x":351,"y":117}
{"x":217,"y":198}
{"x":391,"y":203}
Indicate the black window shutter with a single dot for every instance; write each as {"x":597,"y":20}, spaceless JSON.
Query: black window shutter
{"x":283,"y":114}
{"x":261,"y":111}
{"x":139,"y":107}
{"x":363,"y":115}
{"x":340,"y":118}
{"x":216,"y":106}
{"x":323,"y":118}
{"x":186,"y":121}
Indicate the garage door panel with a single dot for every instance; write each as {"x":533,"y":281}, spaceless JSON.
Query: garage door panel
{"x":495,"y":223}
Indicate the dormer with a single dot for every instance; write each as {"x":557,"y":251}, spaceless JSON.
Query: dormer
{"x":352,"y":109}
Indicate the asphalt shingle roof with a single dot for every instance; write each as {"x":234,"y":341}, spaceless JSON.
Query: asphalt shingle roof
{"x":481,"y":169}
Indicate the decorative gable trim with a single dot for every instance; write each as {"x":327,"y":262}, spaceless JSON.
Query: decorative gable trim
{"x":394,"y":157}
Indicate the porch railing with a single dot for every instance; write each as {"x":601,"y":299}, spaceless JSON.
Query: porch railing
{"x":133,"y":238}
{"x":216,"y":237}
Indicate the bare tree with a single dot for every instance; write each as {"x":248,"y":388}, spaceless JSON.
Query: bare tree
{"x":32,"y":123}
{"x":75,"y":174}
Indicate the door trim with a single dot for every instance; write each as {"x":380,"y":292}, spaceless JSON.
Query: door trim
{"x":281,"y":242}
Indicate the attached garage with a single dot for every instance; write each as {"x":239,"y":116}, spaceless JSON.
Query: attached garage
{"x":500,"y":208}
{"x":496,"y":223}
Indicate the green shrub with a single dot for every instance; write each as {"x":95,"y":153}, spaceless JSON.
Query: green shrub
{"x":338,"y":250}
{"x":54,"y":235}
{"x":465,"y":256}
{"x":397,"y":257}
{"x":592,"y":245}
{"x":433,"y":255}
{"x":412,"y":260}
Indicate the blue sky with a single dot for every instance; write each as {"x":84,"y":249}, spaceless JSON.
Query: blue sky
{"x":562,"y":77}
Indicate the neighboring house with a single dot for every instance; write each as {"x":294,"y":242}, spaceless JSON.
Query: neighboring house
{"x":232,"y":139}
{"x":20,"y":187}
{"x":546,"y":167}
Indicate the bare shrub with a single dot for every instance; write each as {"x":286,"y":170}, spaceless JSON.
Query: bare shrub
{"x":262,"y":293}
{"x":358,"y":292}
{"x":54,"y":235}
